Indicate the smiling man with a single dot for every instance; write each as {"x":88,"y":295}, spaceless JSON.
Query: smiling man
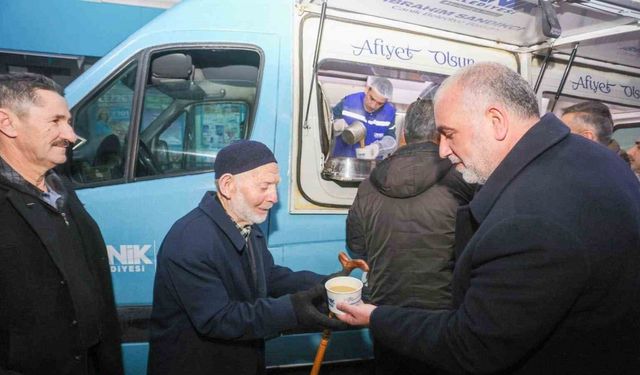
{"x":218,"y":293}
{"x":57,"y":312}
{"x":548,"y":281}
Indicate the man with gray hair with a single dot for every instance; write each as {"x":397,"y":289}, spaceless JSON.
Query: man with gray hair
{"x":416,"y":193}
{"x":57,"y":310}
{"x":373,"y":110}
{"x":538,"y":288}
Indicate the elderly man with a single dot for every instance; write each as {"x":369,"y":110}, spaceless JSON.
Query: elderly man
{"x":57,"y":312}
{"x":549,"y":280}
{"x":218,"y":293}
{"x":373,"y":110}
{"x":402,"y":221}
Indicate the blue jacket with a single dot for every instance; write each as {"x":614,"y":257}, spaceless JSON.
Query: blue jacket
{"x":549,"y":281}
{"x":208,"y":314}
{"x":378,"y":123}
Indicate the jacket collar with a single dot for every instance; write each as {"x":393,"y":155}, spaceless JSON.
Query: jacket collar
{"x":211,"y":206}
{"x":543,"y":135}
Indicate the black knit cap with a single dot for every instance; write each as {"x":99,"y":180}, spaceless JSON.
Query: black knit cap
{"x":242,"y":156}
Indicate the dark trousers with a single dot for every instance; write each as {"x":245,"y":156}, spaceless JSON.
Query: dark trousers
{"x":389,"y":362}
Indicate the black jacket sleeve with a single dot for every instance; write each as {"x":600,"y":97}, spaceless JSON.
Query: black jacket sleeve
{"x":520,"y":286}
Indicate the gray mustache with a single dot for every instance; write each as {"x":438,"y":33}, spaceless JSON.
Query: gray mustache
{"x":62,"y":143}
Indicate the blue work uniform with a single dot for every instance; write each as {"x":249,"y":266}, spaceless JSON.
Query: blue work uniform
{"x":379,"y":123}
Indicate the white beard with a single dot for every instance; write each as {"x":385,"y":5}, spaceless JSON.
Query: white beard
{"x":245,"y":212}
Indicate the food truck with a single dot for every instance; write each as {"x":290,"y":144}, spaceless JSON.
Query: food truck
{"x":154,"y":112}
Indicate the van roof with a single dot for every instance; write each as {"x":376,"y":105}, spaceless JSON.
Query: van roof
{"x":608,"y":30}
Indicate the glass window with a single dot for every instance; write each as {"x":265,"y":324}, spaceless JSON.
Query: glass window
{"x":196,"y":102}
{"x":102,"y":125}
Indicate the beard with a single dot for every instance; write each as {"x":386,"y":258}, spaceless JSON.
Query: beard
{"x":245,"y":211}
{"x":477,"y":168}
{"x":470,"y":174}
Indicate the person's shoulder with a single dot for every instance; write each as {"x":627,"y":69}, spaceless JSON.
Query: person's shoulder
{"x":194,"y":232}
{"x":193,"y":220}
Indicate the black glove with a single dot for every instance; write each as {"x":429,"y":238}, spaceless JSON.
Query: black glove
{"x":304,"y":305}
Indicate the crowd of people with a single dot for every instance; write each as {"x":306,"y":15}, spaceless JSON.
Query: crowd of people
{"x":499,"y":243}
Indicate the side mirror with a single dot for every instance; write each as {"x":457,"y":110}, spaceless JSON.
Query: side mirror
{"x":174,"y":66}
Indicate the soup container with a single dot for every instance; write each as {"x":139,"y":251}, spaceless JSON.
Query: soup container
{"x":345,"y":289}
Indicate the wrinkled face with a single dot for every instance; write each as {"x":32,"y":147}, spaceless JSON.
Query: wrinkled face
{"x":465,"y":139}
{"x":634,"y":156}
{"x":255,"y":194}
{"x":373,"y":101}
{"x":43,"y":133}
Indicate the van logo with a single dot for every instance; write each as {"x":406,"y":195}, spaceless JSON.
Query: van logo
{"x":129,"y":258}
{"x":588,"y":83}
{"x":447,"y":58}
{"x":378,"y":47}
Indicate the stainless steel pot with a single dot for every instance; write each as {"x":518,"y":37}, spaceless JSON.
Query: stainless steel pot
{"x":354,"y":133}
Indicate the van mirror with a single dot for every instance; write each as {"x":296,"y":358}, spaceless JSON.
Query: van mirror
{"x":176,"y":66}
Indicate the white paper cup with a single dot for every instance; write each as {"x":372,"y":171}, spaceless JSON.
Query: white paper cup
{"x":337,"y":292}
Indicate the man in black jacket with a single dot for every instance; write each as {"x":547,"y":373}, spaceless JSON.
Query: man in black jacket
{"x":549,"y":280}
{"x":57,"y":311}
{"x":402,"y":221}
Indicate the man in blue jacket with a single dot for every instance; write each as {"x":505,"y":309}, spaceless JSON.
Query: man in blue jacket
{"x":549,"y":279}
{"x":373,"y":110}
{"x":218,"y":293}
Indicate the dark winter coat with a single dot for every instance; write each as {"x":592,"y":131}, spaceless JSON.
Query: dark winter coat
{"x":39,"y":329}
{"x":209,"y":315}
{"x":549,"y":283}
{"x":402,"y":221}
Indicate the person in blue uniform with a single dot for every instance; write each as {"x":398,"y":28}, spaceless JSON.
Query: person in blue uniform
{"x":217,"y":292}
{"x":373,"y":110}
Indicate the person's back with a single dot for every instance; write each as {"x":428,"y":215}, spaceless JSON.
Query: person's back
{"x":403,"y":222}
{"x":403,"y":219}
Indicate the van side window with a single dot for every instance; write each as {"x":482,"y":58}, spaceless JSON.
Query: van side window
{"x":195,"y":103}
{"x":102,"y":125}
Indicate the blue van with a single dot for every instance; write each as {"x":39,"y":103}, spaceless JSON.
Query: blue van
{"x":154,"y":112}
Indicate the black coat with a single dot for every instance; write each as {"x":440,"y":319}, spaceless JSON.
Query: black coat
{"x":402,"y":221}
{"x":37,"y":314}
{"x":209,"y":316}
{"x":550,"y":281}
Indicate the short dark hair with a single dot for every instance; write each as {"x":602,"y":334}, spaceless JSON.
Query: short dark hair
{"x":419,"y":122}
{"x":19,"y":89}
{"x":595,"y":115}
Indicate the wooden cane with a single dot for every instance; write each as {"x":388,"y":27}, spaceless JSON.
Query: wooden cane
{"x":317,"y":362}
{"x":348,"y":265}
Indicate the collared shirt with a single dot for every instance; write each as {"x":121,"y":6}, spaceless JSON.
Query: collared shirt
{"x":244,"y":231}
{"x":50,"y":196}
